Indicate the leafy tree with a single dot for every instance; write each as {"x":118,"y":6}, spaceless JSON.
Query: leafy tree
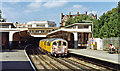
{"x":118,"y":19}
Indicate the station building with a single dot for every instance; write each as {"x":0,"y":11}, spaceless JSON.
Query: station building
{"x":10,"y":35}
{"x":40,"y":28}
{"x":36,"y":28}
{"x":5,"y":34}
{"x":77,"y":34}
{"x":14,"y":34}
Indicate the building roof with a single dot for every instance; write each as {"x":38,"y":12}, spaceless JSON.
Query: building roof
{"x":79,"y":24}
{"x":6,"y":23}
{"x":40,"y":22}
{"x":52,"y":39}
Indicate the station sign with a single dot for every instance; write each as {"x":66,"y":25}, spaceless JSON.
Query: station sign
{"x":92,"y":41}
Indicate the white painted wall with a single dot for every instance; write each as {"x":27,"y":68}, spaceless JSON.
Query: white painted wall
{"x":99,"y":43}
{"x":46,"y":25}
{"x":11,"y":35}
{"x":75,"y":36}
{"x":89,"y":28}
{"x":33,"y":25}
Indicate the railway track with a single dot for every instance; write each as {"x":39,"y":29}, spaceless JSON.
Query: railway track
{"x":42,"y":60}
{"x":102,"y":64}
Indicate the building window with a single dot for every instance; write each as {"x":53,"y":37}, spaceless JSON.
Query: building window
{"x":74,"y":27}
{"x":39,"y":25}
{"x":39,"y":31}
{"x":86,"y":26}
{"x":29,"y":31}
{"x":42,"y":31}
{"x":80,"y":26}
{"x":29,"y":25}
{"x":48,"y":31}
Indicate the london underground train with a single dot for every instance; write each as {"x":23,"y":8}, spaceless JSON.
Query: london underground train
{"x":54,"y":46}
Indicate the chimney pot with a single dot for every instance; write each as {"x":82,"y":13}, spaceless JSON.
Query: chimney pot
{"x":86,"y":13}
{"x":77,"y":13}
{"x":69,"y":14}
{"x":61,"y":15}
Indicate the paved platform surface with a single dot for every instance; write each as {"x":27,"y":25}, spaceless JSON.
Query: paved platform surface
{"x":15,"y":60}
{"x":97,"y":54}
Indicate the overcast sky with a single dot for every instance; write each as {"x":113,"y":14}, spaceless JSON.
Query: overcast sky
{"x":23,"y":12}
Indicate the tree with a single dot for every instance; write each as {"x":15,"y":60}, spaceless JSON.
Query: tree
{"x":118,"y":19}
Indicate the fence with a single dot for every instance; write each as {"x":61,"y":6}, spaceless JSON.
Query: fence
{"x":113,"y":40}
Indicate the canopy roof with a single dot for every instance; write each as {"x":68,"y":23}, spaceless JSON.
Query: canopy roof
{"x":52,"y":39}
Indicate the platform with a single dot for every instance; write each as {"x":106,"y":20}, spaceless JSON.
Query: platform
{"x":14,"y":60}
{"x":97,"y":54}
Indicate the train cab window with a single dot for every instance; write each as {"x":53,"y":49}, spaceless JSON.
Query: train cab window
{"x":55,"y":43}
{"x":59,"y":43}
{"x":64,"y":43}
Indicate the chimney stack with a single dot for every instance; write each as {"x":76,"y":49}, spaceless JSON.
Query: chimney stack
{"x":86,"y":13}
{"x":16,"y":22}
{"x":77,"y":13}
{"x":69,"y":14}
{"x":95,"y":16}
{"x":61,"y":15}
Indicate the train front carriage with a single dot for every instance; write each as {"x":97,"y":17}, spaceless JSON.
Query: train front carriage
{"x":55,"y":46}
{"x":59,"y":47}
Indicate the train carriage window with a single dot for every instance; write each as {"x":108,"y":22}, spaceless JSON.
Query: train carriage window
{"x":45,"y":43}
{"x":55,"y":43}
{"x":64,"y":43}
{"x":48,"y":44}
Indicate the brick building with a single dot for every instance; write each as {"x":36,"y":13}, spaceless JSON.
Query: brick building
{"x":65,"y":17}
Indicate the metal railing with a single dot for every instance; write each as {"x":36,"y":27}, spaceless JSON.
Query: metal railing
{"x":113,"y":40}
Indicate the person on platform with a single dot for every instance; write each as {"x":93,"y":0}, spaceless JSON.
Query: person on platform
{"x":112,"y":48}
